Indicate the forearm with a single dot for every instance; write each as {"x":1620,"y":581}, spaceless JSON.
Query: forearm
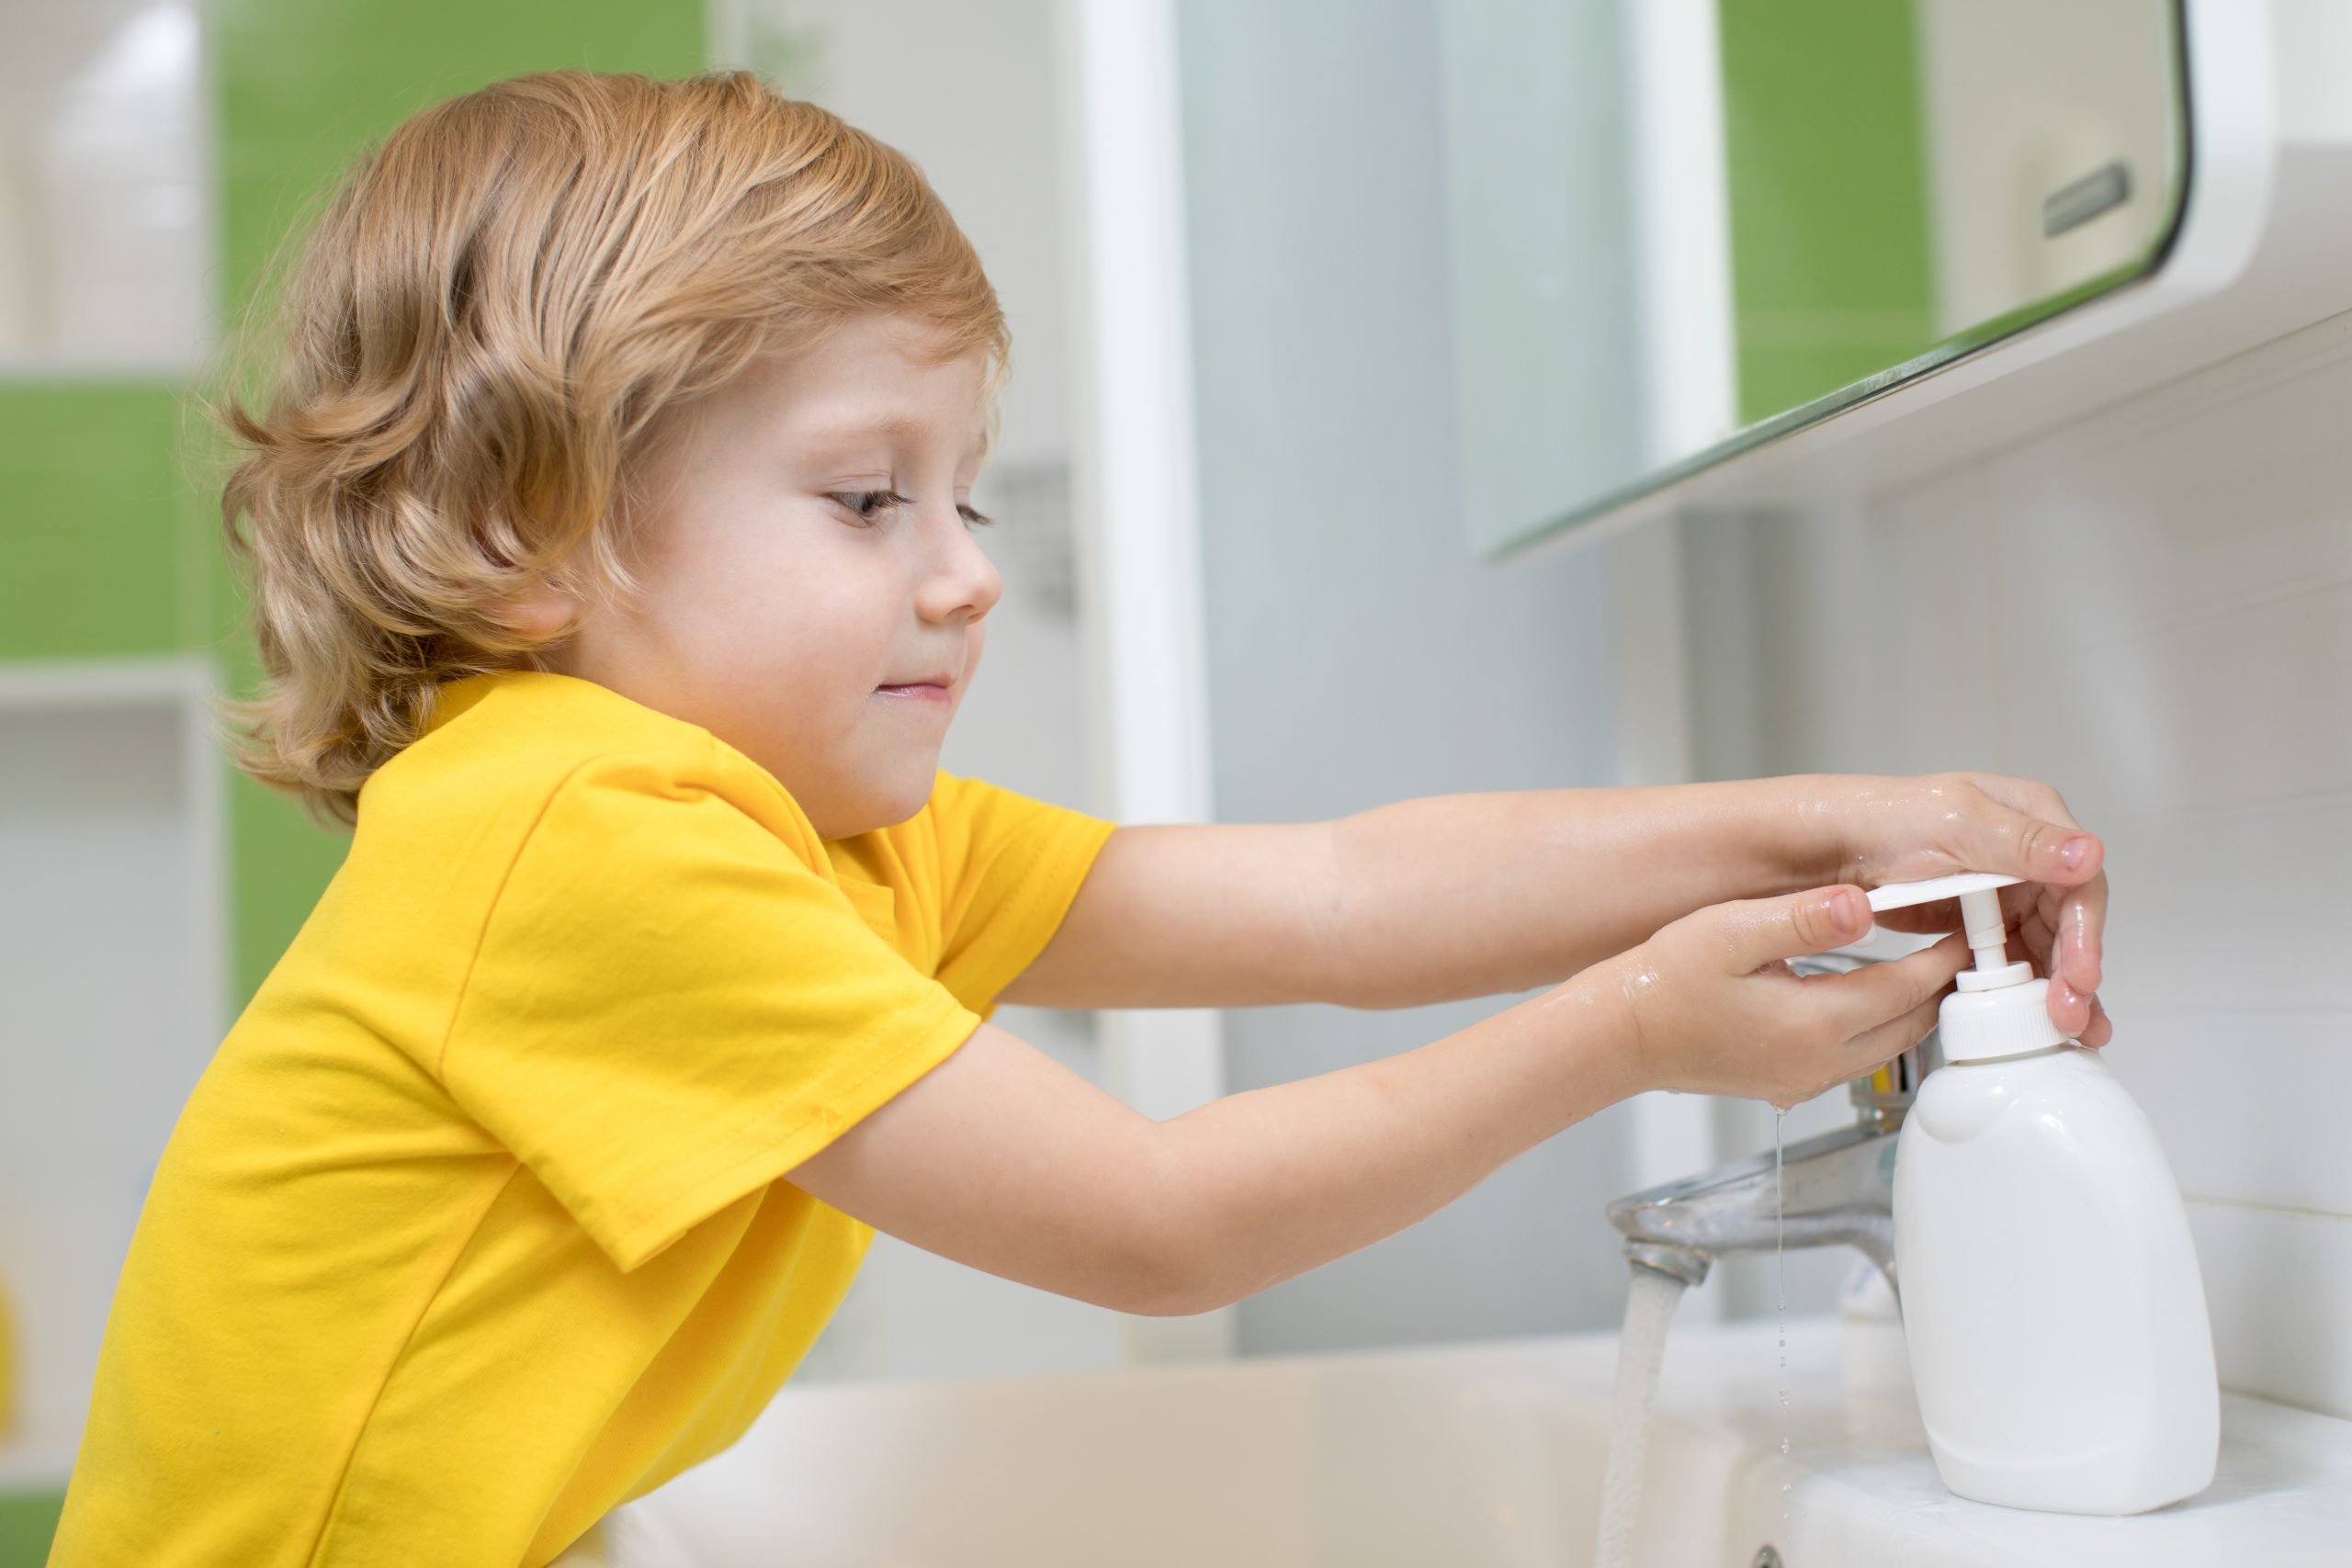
{"x":1478,"y":894}
{"x":1268,"y":1184}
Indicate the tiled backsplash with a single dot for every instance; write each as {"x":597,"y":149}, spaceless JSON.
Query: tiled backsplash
{"x":2165,"y":590}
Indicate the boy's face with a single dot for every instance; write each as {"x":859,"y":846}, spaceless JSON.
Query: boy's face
{"x":776,"y":616}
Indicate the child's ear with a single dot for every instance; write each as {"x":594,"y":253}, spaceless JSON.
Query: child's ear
{"x":539,"y":613}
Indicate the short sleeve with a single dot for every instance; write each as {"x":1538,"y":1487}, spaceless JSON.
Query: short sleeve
{"x":670,"y":1008}
{"x":1010,"y":866}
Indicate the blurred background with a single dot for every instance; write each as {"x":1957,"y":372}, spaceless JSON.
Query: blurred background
{"x":1267,"y":429}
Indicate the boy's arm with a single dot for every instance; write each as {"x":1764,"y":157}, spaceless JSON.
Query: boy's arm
{"x":1001,"y":1158}
{"x":1424,"y":901}
{"x":1480,"y":895}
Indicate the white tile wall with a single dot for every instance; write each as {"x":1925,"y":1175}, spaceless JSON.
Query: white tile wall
{"x":2167,"y":587}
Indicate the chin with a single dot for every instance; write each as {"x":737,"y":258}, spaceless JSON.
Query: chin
{"x":896,"y":800}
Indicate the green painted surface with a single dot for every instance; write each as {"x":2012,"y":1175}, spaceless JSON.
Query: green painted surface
{"x":1830,"y":265}
{"x":28,"y":1523}
{"x":101,"y":534}
{"x":303,"y":89}
{"x":109,"y":537}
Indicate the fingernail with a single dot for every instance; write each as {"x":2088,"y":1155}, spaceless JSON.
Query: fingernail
{"x":1840,"y":911}
{"x":2074,"y":851}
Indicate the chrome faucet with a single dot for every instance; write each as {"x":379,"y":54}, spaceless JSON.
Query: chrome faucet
{"x":1836,"y":1190}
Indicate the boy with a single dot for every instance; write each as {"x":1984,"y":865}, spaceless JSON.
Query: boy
{"x":614,"y":572}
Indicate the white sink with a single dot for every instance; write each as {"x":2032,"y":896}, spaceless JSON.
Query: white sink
{"x":1484,"y":1454}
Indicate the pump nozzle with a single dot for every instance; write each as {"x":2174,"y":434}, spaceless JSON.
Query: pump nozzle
{"x":1979,"y":893}
{"x":2015,"y":1016}
{"x":1979,"y":908}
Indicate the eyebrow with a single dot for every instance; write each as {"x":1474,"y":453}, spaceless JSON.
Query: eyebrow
{"x":894,"y":427}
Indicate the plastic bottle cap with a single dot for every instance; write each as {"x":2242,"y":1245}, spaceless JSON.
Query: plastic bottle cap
{"x":2002,"y":1021}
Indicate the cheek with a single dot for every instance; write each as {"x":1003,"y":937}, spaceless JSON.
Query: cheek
{"x":703,"y":566}
{"x":790,"y":599}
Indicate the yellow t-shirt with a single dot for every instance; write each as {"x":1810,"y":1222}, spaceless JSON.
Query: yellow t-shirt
{"x":473,"y":1228}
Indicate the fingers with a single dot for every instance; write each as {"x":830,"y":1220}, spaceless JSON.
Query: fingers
{"x":1877,"y":1046}
{"x":1795,"y":924}
{"x":2070,"y":1009}
{"x":2061,"y":933}
{"x":1998,"y":838}
{"x":2082,"y":917}
{"x":1883,"y":1039}
{"x":2069,"y":912}
{"x":1872,"y":996}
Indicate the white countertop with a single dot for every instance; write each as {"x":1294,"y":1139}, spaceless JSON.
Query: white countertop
{"x":1487,"y":1452}
{"x":1859,"y":1466}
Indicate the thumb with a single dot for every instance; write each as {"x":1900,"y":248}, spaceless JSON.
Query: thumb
{"x":1796,"y":924}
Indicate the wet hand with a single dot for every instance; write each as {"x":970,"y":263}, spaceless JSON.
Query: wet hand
{"x":1905,"y":830}
{"x":1713,"y":1008}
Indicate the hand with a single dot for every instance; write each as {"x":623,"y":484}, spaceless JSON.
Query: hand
{"x":1904,"y":830}
{"x":1715,"y":1009}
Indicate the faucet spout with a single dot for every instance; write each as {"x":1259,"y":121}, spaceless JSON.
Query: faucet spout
{"x":1835,"y":1190}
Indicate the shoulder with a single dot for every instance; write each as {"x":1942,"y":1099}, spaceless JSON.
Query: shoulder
{"x":503,"y":750}
{"x":965,"y":807}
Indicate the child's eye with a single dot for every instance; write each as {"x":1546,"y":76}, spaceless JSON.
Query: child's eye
{"x":867,"y":502}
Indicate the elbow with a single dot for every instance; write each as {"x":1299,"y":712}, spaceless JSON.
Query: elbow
{"x":1177,"y":1258}
{"x":1177,"y":1292}
{"x":1176,"y":1296}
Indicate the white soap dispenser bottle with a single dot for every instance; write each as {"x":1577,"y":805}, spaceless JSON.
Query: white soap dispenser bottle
{"x":2052,"y":1304}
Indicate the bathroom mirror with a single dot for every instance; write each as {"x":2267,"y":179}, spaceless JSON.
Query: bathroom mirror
{"x":1681,"y":228}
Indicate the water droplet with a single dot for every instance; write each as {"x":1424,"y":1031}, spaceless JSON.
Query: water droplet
{"x":1780,"y":1250}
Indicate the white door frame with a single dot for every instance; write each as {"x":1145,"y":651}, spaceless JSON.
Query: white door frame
{"x":1136,"y":489}
{"x":60,"y":1304}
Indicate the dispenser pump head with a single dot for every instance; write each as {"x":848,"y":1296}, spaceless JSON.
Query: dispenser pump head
{"x":1979,"y":893}
{"x":2016,"y":1018}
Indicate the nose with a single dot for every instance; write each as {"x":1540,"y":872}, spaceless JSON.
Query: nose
{"x":958,"y":578}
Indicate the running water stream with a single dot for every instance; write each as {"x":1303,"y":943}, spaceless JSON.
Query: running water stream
{"x":1650,"y":1298}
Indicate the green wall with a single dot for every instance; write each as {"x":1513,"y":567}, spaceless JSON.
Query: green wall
{"x":302,"y":86}
{"x":1830,"y":268}
{"x":108,"y":543}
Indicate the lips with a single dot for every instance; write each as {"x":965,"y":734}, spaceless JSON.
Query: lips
{"x":941,"y":681}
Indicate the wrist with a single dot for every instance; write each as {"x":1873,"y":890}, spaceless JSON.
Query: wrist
{"x":1804,"y":824}
{"x":1609,"y":1006}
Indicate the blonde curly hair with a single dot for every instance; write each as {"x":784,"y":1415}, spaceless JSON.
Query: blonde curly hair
{"x":473,"y":359}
